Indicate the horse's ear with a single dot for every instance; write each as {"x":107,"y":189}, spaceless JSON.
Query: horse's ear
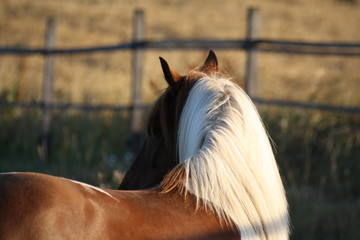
{"x":211,"y":64}
{"x":171,"y":76}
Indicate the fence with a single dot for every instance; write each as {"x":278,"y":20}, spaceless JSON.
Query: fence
{"x":252,"y":44}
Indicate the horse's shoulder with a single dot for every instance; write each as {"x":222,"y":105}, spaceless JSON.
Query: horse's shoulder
{"x":24,"y":197}
{"x":24,"y":185}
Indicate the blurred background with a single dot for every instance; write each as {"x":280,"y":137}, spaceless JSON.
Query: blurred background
{"x":318,"y":151}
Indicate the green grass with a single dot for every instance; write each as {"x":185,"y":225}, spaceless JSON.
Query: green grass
{"x":84,"y":146}
{"x":318,"y":154}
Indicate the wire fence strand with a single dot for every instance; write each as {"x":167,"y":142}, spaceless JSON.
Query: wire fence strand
{"x":286,"y":47}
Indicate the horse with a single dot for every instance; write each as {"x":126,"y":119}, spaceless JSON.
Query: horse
{"x":206,"y":170}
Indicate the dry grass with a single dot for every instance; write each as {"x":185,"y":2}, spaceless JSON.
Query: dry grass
{"x":106,"y":77}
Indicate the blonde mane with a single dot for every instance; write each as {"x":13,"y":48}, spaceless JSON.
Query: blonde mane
{"x":226,"y":161}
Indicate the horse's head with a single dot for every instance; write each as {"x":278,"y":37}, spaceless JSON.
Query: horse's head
{"x":158,"y":154}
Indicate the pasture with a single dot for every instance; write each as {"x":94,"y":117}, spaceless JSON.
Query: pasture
{"x":318,"y":152}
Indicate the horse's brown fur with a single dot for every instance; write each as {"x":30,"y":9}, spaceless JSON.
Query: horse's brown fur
{"x":37,"y":206}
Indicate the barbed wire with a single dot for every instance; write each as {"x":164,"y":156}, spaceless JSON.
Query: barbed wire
{"x":104,"y":107}
{"x":286,"y":47}
{"x":314,"y":106}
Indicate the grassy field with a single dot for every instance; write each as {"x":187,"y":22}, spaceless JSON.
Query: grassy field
{"x":318,"y":155}
{"x":318,"y":152}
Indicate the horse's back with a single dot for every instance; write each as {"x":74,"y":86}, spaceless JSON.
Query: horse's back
{"x":37,"y":206}
{"x":170,"y":215}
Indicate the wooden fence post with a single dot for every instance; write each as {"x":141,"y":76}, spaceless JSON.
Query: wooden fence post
{"x":44,"y":139}
{"x":252,"y":58}
{"x":136,"y":114}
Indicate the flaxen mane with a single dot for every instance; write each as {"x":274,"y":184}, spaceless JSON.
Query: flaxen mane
{"x":226,"y":160}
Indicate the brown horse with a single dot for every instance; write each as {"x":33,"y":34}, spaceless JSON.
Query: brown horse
{"x":206,"y":147}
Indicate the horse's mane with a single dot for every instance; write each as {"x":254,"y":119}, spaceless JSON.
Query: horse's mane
{"x":226,"y":160}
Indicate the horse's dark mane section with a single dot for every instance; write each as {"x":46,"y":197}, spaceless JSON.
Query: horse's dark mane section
{"x":158,"y":155}
{"x":164,"y":118}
